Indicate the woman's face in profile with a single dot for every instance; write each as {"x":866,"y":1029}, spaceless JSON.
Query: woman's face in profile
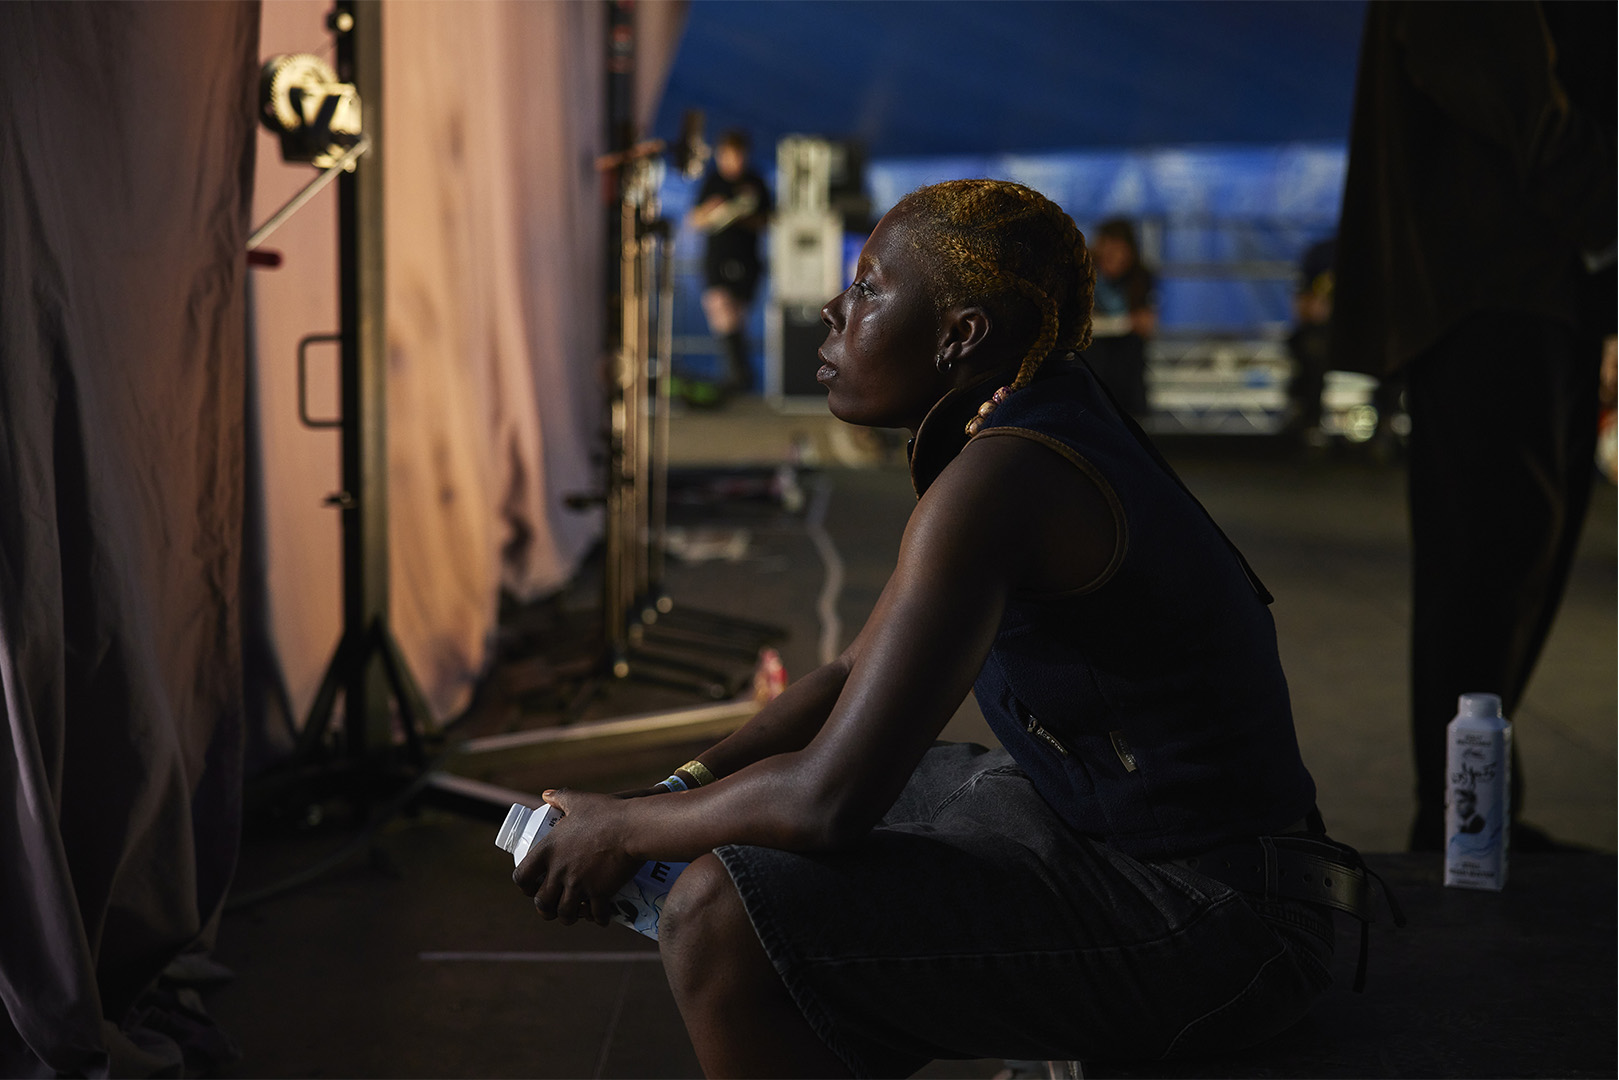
{"x":878,"y":361}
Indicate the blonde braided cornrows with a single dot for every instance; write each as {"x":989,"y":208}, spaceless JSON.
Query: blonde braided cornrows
{"x":986,"y":241}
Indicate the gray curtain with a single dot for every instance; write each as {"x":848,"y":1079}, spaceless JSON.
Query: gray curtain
{"x":126,"y":162}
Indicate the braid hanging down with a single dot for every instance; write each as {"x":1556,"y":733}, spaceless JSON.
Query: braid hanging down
{"x":997,"y":243}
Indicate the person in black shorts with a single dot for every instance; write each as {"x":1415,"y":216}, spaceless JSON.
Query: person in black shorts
{"x":733,"y":207}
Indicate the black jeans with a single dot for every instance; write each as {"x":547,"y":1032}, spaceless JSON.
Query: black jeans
{"x":974,"y":923}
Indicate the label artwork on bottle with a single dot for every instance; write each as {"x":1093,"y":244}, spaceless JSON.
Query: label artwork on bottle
{"x":1476,"y":810}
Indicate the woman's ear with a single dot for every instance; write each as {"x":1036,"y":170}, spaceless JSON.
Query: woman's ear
{"x":963,"y":337}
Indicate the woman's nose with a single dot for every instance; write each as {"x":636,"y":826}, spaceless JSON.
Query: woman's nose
{"x":828,"y":308}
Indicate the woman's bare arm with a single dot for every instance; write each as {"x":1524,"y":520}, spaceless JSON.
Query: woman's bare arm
{"x":788,"y":723}
{"x":1007,"y":514}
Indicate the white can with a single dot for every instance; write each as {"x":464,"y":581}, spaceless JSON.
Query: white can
{"x":638,"y":905}
{"x":1478,"y":794}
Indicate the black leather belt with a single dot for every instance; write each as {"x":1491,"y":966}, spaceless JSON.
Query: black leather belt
{"x":1309,"y":868}
{"x":1292,"y":868}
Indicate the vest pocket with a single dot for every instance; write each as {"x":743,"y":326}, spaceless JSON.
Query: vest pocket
{"x":1033,"y":727}
{"x":1064,"y":755}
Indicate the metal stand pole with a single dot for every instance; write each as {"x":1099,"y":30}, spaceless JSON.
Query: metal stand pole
{"x":723,"y":633}
{"x":367,"y":666}
{"x":632,"y":500}
{"x":662,"y":622}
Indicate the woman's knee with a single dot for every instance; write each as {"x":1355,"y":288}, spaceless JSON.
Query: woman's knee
{"x":703,"y":903}
{"x":704,"y":923}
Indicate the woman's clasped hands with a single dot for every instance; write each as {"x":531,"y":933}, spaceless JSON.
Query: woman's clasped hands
{"x":573,"y":872}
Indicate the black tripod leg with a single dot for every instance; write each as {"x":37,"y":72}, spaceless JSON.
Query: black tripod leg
{"x":715,"y":623}
{"x":679,"y":637}
{"x":414,"y":715}
{"x":711,"y":676}
{"x":320,"y":710}
{"x":709,"y":684}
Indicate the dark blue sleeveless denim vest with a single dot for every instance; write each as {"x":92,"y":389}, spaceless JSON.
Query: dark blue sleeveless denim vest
{"x":1149,"y":709}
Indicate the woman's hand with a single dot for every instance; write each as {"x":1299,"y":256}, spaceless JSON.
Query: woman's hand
{"x":573,"y":872}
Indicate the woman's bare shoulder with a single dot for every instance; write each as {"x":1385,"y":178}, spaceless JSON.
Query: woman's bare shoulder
{"x":1021,"y":499}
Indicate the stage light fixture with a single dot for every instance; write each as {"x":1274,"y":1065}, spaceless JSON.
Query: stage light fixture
{"x":316,"y":115}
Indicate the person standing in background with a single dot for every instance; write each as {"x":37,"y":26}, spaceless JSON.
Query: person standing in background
{"x":1475,"y":255}
{"x":733,"y":208}
{"x":1308,"y":343}
{"x":1125,"y":316}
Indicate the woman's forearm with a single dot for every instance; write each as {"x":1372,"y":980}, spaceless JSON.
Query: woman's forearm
{"x":767,"y":798}
{"x":786,"y":724}
{"x":775,"y":802}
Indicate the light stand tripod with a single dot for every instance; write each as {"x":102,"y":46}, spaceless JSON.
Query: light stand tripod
{"x":637,"y":480}
{"x":635,"y":497}
{"x":659,"y":612}
{"x":318,"y":114}
{"x":308,"y":109}
{"x":363,"y":502}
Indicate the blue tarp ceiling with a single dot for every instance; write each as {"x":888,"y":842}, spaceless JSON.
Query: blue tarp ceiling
{"x":932,"y":78}
{"x":1219,"y":124}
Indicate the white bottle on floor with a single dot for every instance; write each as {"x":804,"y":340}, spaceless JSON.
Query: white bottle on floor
{"x":1478,"y":787}
{"x":638,"y":905}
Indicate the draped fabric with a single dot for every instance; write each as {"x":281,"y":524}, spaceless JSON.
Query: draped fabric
{"x":161,"y":508}
{"x":126,"y":158}
{"x":496,"y":238}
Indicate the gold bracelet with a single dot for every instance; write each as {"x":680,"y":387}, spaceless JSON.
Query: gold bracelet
{"x":698,"y":772}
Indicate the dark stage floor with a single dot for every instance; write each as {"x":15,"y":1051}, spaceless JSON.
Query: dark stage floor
{"x":424,"y":960}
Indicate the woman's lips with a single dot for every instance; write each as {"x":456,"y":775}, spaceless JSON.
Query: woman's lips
{"x":826,"y":371}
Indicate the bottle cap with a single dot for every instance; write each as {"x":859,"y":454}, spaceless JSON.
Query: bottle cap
{"x":1479,"y":705}
{"x":512,"y":830}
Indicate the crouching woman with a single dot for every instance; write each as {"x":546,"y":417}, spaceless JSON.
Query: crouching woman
{"x":863,"y":899}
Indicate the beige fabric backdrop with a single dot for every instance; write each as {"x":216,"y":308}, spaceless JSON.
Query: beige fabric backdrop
{"x":495,"y":237}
